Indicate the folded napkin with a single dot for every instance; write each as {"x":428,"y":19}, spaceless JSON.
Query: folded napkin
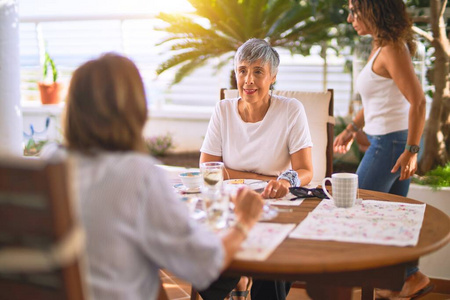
{"x":262,"y":240}
{"x":286,"y":200}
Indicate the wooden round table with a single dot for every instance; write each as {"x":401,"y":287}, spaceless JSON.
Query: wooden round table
{"x":331,"y":268}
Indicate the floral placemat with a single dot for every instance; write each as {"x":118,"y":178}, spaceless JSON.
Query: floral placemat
{"x":372,"y":222}
{"x":262,"y":240}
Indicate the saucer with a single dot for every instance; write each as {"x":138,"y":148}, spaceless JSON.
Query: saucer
{"x":183,"y":189}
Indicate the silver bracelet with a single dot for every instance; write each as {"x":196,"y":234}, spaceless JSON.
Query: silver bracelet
{"x":291,"y":176}
{"x":242,"y":228}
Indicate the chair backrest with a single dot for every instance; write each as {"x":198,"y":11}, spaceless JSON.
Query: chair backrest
{"x":40,"y":240}
{"x":319,"y":111}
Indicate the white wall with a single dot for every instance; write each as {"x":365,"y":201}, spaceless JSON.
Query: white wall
{"x":187,"y":127}
{"x":10,"y":112}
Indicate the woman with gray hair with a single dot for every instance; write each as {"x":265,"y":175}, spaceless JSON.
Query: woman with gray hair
{"x":260,"y":136}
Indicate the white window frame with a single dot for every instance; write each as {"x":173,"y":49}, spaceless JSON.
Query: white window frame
{"x":161,"y":107}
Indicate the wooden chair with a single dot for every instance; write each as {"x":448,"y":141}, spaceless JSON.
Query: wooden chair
{"x":162,"y":293}
{"x":319,"y":108}
{"x":194,"y":294}
{"x":40,"y":241}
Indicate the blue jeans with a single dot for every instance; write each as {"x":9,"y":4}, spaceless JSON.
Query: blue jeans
{"x":374,"y":171}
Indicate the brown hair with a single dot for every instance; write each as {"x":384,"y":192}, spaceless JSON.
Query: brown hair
{"x":106,"y":106}
{"x":388,"y":20}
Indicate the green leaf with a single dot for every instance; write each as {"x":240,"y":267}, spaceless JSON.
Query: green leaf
{"x":49,"y":61}
{"x":227,"y":24}
{"x":188,"y":68}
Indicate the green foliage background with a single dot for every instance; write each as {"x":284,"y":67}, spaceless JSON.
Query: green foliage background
{"x":437,"y":178}
{"x":219,"y":27}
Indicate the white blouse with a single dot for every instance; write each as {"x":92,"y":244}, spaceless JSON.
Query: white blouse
{"x":135,"y":226}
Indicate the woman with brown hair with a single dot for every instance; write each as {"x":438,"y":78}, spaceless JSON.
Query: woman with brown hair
{"x":393,"y":113}
{"x":134,"y":224}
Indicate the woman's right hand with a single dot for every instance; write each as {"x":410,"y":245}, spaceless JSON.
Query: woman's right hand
{"x":343,"y":141}
{"x":248,"y":206}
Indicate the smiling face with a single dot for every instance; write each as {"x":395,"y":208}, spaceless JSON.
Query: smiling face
{"x":254,"y":80}
{"x":355,"y":19}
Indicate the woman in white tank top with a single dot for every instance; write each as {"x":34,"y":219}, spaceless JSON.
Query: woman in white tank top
{"x":393,"y":114}
{"x":393,"y":99}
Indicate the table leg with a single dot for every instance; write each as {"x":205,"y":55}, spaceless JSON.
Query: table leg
{"x":326,"y":292}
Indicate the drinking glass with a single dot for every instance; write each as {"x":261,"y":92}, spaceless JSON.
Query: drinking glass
{"x":191,"y":203}
{"x":216,"y":204}
{"x":212,"y":173}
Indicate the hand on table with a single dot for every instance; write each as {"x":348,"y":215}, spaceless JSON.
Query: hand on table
{"x":248,"y":206}
{"x":276,"y":189}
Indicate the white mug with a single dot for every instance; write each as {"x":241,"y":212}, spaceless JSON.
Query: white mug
{"x":345,"y":188}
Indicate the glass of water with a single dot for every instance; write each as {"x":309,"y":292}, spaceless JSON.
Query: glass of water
{"x":212,"y":174}
{"x":216,"y":205}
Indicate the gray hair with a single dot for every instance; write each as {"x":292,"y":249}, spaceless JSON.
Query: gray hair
{"x":255,"y":49}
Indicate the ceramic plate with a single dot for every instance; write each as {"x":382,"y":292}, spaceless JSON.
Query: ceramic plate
{"x":182,"y":189}
{"x":254,"y":184}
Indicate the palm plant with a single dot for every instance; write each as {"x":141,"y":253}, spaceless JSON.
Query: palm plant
{"x":290,"y":24}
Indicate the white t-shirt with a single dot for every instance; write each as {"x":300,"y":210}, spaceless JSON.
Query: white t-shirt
{"x":135,"y":226}
{"x":263,"y":147}
{"x":385,"y":108}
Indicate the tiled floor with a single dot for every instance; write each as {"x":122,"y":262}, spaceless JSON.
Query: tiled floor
{"x":180,"y":290}
{"x":176,"y":289}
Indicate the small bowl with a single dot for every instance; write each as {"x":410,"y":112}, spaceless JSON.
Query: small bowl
{"x":191,"y":180}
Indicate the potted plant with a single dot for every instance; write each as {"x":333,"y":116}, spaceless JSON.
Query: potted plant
{"x":36,"y":140}
{"x":50,"y":91}
{"x":434,"y":189}
{"x":159,"y":145}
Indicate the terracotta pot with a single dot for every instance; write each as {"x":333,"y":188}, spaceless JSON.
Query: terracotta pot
{"x":50,"y":92}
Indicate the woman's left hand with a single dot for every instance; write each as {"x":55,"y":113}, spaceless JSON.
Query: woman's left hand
{"x":276,"y":189}
{"x":408,"y":164}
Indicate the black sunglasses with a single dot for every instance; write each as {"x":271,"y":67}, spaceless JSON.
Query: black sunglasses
{"x":352,"y":13}
{"x":302,"y":192}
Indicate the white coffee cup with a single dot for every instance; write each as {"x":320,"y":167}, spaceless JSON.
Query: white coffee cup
{"x":345,"y":188}
{"x":191,"y":180}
